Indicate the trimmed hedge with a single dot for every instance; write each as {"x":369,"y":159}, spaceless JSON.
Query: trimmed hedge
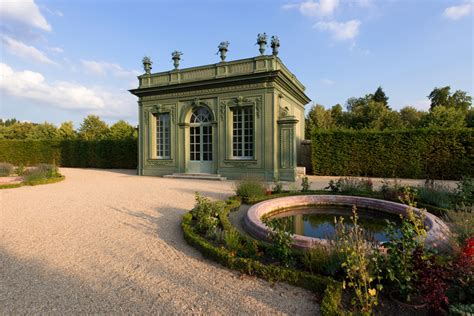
{"x":421,"y":153}
{"x":108,"y":154}
{"x":312,"y":282}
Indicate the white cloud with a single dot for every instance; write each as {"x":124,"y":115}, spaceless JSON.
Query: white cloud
{"x":22,"y":50}
{"x":56,"y":49}
{"x":101,"y":68}
{"x":314,"y":9}
{"x":457,"y":12}
{"x":327,"y":81}
{"x":340,"y":30}
{"x":25,"y":12}
{"x":33,"y":86}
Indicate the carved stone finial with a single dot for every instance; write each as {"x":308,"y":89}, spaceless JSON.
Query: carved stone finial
{"x":262,"y":42}
{"x":176,"y":56}
{"x":275,"y":44}
{"x":223,"y":48}
{"x":147,"y":64}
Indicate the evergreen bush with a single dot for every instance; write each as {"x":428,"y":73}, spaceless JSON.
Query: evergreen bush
{"x":418,"y":153}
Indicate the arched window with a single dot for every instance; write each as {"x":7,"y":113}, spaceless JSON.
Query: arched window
{"x":200,"y":115}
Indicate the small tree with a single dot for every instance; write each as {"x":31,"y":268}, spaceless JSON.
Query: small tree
{"x":121,"y":130}
{"x":93,"y":128}
{"x":380,"y":97}
{"x":66,"y":131}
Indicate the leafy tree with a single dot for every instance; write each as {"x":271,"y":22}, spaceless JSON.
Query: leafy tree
{"x":470,"y":118}
{"x":18,"y":130}
{"x":379,"y":96}
{"x":8,"y":122}
{"x":411,"y":117}
{"x":121,"y":130}
{"x":320,"y":117}
{"x":43,"y":131}
{"x":93,"y":128}
{"x":445,"y":117}
{"x":66,"y":130}
{"x":442,"y":97}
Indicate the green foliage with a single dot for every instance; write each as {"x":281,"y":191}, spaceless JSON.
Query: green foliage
{"x":232,"y":240}
{"x":443,"y":97}
{"x":6,"y":169}
{"x":305,"y":184}
{"x":465,"y":191}
{"x":277,"y":186}
{"x":312,"y":282}
{"x":321,"y":260}
{"x":461,"y":224}
{"x":351,"y":186}
{"x":42,"y":172}
{"x":401,"y":248}
{"x":445,"y":117}
{"x":66,"y":131}
{"x":121,"y":130}
{"x":361,"y":264}
{"x":437,"y":194}
{"x":93,"y":128}
{"x":331,"y":303}
{"x":20,"y":170}
{"x":206,"y":214}
{"x":461,"y":310}
{"x":71,"y":153}
{"x":249,"y":189}
{"x":411,"y":117}
{"x":421,"y":153}
{"x":281,"y":240}
{"x":380,"y":97}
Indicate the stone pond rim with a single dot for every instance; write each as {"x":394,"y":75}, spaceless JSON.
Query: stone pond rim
{"x":437,"y":232}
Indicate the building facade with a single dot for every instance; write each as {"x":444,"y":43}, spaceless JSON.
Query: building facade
{"x":238,"y":118}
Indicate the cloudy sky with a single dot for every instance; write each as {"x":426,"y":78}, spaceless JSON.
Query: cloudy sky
{"x":61,"y":60}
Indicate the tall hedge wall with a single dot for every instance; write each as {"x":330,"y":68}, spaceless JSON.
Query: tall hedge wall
{"x":421,"y":153}
{"x":71,"y":153}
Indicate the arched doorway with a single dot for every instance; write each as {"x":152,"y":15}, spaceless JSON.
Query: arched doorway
{"x":200,"y":141}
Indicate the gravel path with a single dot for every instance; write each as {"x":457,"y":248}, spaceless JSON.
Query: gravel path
{"x":110,"y":242}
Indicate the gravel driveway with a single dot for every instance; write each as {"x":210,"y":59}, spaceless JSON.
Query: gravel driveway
{"x":108,"y":241}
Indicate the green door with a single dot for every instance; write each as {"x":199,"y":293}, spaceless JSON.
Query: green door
{"x":201,"y":149}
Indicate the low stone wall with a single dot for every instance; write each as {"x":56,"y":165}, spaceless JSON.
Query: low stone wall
{"x":304,"y":156}
{"x":437,"y":231}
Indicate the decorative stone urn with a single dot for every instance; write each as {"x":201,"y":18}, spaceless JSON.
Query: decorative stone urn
{"x":147,"y":64}
{"x":176,"y":56}
{"x":262,"y":42}
{"x":223,"y":48}
{"x":275,"y":44}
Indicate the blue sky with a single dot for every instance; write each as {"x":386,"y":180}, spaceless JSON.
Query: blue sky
{"x":62,"y":60}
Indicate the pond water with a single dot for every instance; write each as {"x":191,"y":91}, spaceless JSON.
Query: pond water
{"x":319,"y":221}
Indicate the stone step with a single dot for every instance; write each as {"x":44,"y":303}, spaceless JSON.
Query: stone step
{"x":301,"y":171}
{"x":200,"y":176}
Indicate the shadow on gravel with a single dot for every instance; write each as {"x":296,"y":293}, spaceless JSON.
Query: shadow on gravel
{"x":210,"y":194}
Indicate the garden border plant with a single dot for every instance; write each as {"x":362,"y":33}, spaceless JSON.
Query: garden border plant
{"x":38,"y":175}
{"x":247,"y":265}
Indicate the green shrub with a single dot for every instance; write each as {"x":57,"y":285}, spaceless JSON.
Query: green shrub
{"x":437,"y":194}
{"x":401,"y":249}
{"x":465,"y":191}
{"x":6,"y":169}
{"x":249,"y":189}
{"x":206,"y":214}
{"x":42,"y":172}
{"x":232,"y":240}
{"x":461,"y":223}
{"x":331,"y":303}
{"x":20,"y":170}
{"x":461,"y":309}
{"x":277,"y":186}
{"x":305,"y":184}
{"x":361,"y":263}
{"x":281,"y":240}
{"x":319,"y":259}
{"x":351,"y":185}
{"x":418,"y":153}
{"x":71,"y":153}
